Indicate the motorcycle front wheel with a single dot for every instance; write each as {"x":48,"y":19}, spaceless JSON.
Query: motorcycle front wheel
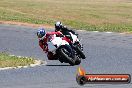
{"x":66,"y":55}
{"x":80,"y":52}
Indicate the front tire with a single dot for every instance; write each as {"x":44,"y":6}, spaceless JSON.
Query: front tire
{"x":80,"y":52}
{"x":66,"y":56}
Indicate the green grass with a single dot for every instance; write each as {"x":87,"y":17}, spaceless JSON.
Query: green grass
{"x":97,"y":15}
{"x":13,"y":61}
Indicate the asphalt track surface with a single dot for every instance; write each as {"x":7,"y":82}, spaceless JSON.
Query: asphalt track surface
{"x":105,"y":52}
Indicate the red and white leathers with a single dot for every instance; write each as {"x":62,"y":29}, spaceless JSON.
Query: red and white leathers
{"x":43,"y":42}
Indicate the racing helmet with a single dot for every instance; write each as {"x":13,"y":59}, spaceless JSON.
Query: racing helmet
{"x":41,"y":33}
{"x":58,"y":26}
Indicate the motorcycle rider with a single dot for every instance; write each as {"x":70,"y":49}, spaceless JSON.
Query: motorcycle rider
{"x":44,"y":38}
{"x":65,"y":31}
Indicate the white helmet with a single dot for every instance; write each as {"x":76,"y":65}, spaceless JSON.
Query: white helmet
{"x":58,"y":25}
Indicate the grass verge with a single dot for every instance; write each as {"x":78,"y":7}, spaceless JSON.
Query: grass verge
{"x":7,"y":60}
{"x":91,"y":15}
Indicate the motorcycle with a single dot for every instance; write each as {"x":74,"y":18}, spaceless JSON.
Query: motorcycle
{"x":59,"y":49}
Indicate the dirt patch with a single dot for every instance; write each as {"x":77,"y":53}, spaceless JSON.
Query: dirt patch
{"x":26,"y":24}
